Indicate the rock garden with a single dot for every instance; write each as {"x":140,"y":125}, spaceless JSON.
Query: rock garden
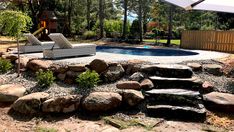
{"x":189,"y":91}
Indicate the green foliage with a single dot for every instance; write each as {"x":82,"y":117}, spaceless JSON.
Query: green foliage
{"x":134,"y":30}
{"x":88,"y":79}
{"x":14,"y":22}
{"x":113,"y":28}
{"x":42,"y":129}
{"x":45,"y":78}
{"x":89,"y":35}
{"x":5,"y":65}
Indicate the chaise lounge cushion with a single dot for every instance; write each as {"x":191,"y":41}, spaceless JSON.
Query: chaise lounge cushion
{"x":32,"y":39}
{"x":61,"y":41}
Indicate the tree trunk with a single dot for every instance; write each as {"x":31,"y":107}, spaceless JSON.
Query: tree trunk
{"x":69,"y":16}
{"x":140,"y":21}
{"x":169,"y":37}
{"x":18,"y":52}
{"x":101,"y":18}
{"x":33,"y":16}
{"x":89,"y":2}
{"x":125,"y":19}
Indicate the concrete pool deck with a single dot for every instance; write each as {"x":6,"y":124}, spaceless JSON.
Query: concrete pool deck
{"x":111,"y":57}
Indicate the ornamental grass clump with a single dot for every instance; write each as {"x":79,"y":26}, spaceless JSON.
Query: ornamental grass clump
{"x":45,"y":78}
{"x":5,"y":65}
{"x":88,"y":79}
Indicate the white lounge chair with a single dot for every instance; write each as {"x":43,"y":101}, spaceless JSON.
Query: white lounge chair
{"x":34,"y":45}
{"x":66,"y":49}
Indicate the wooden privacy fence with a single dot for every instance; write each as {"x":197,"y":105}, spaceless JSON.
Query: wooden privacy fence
{"x":208,"y":40}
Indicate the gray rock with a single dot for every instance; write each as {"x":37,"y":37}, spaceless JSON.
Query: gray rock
{"x":30,"y":104}
{"x":11,"y":92}
{"x":132,"y":97}
{"x":137,"y":76}
{"x":129,"y":85}
{"x":219,"y":101}
{"x":98,"y":65}
{"x":113,"y":73}
{"x":62,"y":104}
{"x":101,"y":101}
{"x":213,"y":69}
{"x":146,"y":84}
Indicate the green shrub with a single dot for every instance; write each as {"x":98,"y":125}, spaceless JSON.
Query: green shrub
{"x":89,"y":35}
{"x":45,"y":78}
{"x":88,"y":79}
{"x":5,"y":65}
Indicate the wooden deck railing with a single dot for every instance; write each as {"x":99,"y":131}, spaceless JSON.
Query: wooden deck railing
{"x":208,"y":40}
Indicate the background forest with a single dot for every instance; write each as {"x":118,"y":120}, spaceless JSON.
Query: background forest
{"x":125,"y":19}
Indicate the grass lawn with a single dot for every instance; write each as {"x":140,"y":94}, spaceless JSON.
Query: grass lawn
{"x":175,"y":41}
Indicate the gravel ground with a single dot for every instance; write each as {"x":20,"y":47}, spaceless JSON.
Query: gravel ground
{"x":57,"y":89}
{"x":221,"y":83}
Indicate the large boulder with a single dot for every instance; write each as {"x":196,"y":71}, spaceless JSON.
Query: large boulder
{"x":35,"y":65}
{"x":113,"y":73}
{"x":128,"y":85}
{"x":213,"y":69}
{"x":11,"y":92}
{"x":23,"y":62}
{"x":137,"y":76}
{"x":219,"y":101}
{"x":132,"y":97}
{"x":77,"y":68}
{"x":11,"y":57}
{"x":59,"y":69}
{"x":30,"y":104}
{"x":147,"y":84}
{"x":62,"y":104}
{"x":98,"y":65}
{"x":207,"y":87}
{"x":101,"y":101}
{"x":195,"y":66}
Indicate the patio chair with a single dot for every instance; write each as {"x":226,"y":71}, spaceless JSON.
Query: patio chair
{"x":34,"y":45}
{"x":66,"y":49}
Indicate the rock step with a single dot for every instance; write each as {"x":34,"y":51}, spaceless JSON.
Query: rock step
{"x":171,"y":71}
{"x":179,"y":97}
{"x":162,"y":82}
{"x":178,"y":112}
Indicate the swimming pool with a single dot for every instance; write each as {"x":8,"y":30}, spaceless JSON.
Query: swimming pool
{"x":145,"y":51}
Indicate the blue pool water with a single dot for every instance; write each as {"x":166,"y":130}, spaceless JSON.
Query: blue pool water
{"x":144,"y":51}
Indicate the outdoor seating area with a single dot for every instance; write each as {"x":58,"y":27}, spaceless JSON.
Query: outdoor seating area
{"x":117,"y":66}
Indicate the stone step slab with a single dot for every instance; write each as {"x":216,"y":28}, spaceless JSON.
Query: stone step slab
{"x":189,"y":83}
{"x":171,"y":71}
{"x":179,"y":97}
{"x":216,"y":101}
{"x":178,"y":112}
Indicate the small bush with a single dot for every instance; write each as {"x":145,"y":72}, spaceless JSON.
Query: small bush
{"x":5,"y":65}
{"x":45,"y":79}
{"x":89,"y":35}
{"x":88,"y":79}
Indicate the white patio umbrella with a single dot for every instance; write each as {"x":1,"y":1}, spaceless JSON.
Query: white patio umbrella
{"x":209,"y":5}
